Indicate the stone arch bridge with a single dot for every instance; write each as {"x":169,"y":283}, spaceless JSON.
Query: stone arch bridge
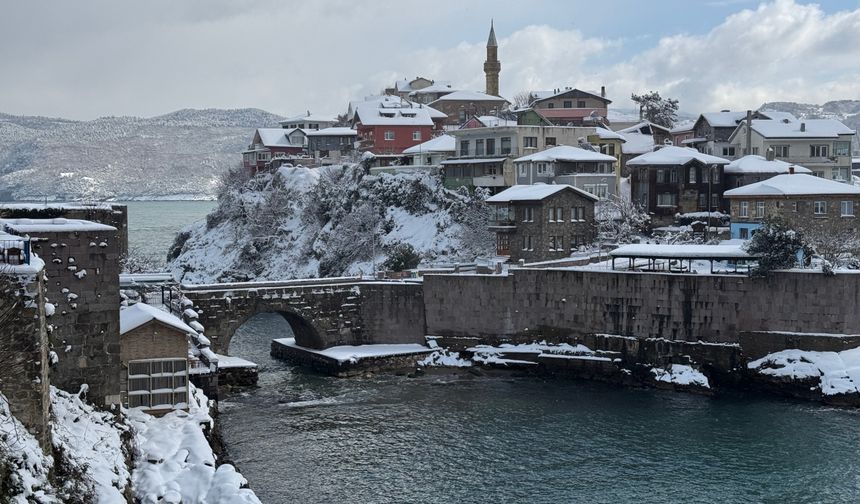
{"x":321,"y":312}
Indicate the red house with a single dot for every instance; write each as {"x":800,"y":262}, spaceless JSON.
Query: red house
{"x":386,"y":128}
{"x":270,"y":143}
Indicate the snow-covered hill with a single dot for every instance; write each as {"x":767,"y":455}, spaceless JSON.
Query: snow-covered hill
{"x":174,"y":156}
{"x":301,"y":223}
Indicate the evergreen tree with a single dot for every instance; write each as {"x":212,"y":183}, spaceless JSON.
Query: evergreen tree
{"x":658,"y":110}
{"x":776,"y":245}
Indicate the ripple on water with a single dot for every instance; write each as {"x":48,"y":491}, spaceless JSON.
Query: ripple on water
{"x":307,"y":438}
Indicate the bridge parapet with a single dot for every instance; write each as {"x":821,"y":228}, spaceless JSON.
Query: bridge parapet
{"x":321,"y":312}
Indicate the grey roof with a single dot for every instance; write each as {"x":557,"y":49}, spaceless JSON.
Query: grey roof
{"x":491,"y":42}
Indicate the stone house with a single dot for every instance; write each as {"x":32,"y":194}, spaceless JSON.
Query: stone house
{"x":584,"y":169}
{"x":542,"y":222}
{"x":822,"y":145}
{"x":154,"y":355}
{"x":332,"y":142}
{"x":712,"y":131}
{"x":571,"y":106}
{"x":82,"y":269}
{"x":802,"y":201}
{"x":673,"y":180}
{"x":751,"y":169}
{"x":641,"y":138}
{"x":431,"y":93}
{"x":460,"y":106}
{"x":402,"y":88}
{"x":484,"y":156}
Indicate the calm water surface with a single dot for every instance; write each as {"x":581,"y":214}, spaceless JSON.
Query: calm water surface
{"x":305,"y":438}
{"x":152,"y":225}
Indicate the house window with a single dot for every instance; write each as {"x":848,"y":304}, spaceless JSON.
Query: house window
{"x":839,"y":173}
{"x":389,"y":135}
{"x":841,"y":148}
{"x":556,"y":243}
{"x":555,"y":214}
{"x":528,"y":214}
{"x":818,"y":150}
{"x":503,"y":241}
{"x":818,"y":173}
{"x":158,"y":384}
{"x":755,"y":151}
{"x":745,"y":233}
{"x":550,"y":105}
{"x":577,"y":214}
{"x":794,"y":206}
{"x":523,"y":169}
{"x":416,"y":135}
{"x":549,"y":141}
{"x":728,"y":151}
{"x":506,"y":145}
{"x":479,"y":147}
{"x":599,"y":190}
{"x":673,"y":175}
{"x":607,"y":148}
{"x":491,"y":146}
{"x":666,"y":199}
{"x":692,"y":175}
{"x":530,"y":141}
{"x":847,"y":208}
{"x":568,"y":103}
{"x":541,"y":169}
{"x":576,"y":241}
{"x":820,"y":208}
{"x":580,"y":104}
{"x":759,"y":209}
{"x":780,"y":151}
{"x":527,"y":242}
{"x":715,"y":201}
{"x":744,"y":209}
{"x":262,"y":156}
{"x":464,"y":147}
{"x":715,"y":175}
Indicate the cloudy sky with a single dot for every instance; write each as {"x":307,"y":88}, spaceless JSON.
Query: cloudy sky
{"x":86,"y":59}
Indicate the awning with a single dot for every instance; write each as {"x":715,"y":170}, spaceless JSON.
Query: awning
{"x":473,"y":161}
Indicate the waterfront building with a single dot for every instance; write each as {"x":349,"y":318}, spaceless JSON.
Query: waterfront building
{"x":584,"y":169}
{"x":270,"y":143}
{"x":542,"y":222}
{"x":801,"y":201}
{"x":308,"y":122}
{"x":331,"y":143}
{"x":431,"y":152}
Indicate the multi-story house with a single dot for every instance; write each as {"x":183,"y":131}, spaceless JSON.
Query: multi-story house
{"x":484,"y":156}
{"x":751,"y":169}
{"x":611,"y":143}
{"x":801,"y":201}
{"x":432,"y":152}
{"x":402,"y":88}
{"x":331,"y":142}
{"x":387,"y":129}
{"x":639,"y":139}
{"x":460,"y":106}
{"x":822,"y":145}
{"x":581,"y":168}
{"x":571,"y":106}
{"x":431,"y":93}
{"x":674,"y":180}
{"x":308,"y":122}
{"x":542,"y":222}
{"x":712,"y":131}
{"x":269,"y":143}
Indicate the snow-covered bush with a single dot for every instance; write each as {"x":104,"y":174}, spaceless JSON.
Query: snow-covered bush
{"x":620,"y":220}
{"x":402,"y":257}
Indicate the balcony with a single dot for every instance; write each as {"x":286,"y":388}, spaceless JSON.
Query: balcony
{"x":489,"y":181}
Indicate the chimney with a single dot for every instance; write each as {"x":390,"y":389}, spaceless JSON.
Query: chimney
{"x":603,"y":91}
{"x":802,"y":127}
{"x":791,"y":169}
{"x":749,"y":133}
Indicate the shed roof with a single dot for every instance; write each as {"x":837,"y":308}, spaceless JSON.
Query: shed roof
{"x":758,"y":164}
{"x":535,"y":192}
{"x":141,"y":313}
{"x":566,"y":153}
{"x":442,"y":143}
{"x":681,"y":251}
{"x":57,"y":225}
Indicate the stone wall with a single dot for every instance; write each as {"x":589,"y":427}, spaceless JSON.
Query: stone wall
{"x":82,"y":269}
{"x":538,"y":304}
{"x":24,"y":351}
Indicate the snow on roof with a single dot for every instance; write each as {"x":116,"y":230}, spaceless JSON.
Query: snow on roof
{"x":681,"y":251}
{"x":52,"y":225}
{"x":309,"y":118}
{"x":469,"y":96}
{"x":637,"y":143}
{"x":139,"y":314}
{"x":376,"y":114}
{"x":442,"y":143}
{"x":70,"y":205}
{"x":726,"y":119}
{"x":494,"y":122}
{"x":606,"y":134}
{"x":543,"y":95}
{"x":683,"y":126}
{"x":777,"y":115}
{"x":274,"y":137}
{"x":334,"y":131}
{"x":437,"y":87}
{"x":672,"y":155}
{"x":758,"y":164}
{"x":565,"y":153}
{"x":794,"y":185}
{"x":813,"y":128}
{"x":534,"y":192}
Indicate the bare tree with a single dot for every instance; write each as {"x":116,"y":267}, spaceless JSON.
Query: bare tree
{"x":522,"y":99}
{"x":619,"y":220}
{"x":834,"y":244}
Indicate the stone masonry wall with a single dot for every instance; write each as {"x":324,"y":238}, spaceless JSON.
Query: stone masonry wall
{"x":24,"y":352}
{"x":535,"y":304}
{"x":82,"y":269}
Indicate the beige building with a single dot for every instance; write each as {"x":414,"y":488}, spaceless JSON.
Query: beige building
{"x":822,"y":145}
{"x":154,"y":354}
{"x":484,"y":156}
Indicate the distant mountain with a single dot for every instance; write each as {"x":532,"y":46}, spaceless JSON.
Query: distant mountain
{"x":173,"y":156}
{"x":847,"y":111}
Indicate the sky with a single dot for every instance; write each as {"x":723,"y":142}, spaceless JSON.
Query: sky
{"x":87,"y":59}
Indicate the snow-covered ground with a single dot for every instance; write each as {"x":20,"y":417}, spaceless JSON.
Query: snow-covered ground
{"x":28,"y":466}
{"x":837,"y":372}
{"x":355,"y":353}
{"x":680,"y":374}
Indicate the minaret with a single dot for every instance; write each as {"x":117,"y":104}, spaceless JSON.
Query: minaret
{"x":492,"y":66}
